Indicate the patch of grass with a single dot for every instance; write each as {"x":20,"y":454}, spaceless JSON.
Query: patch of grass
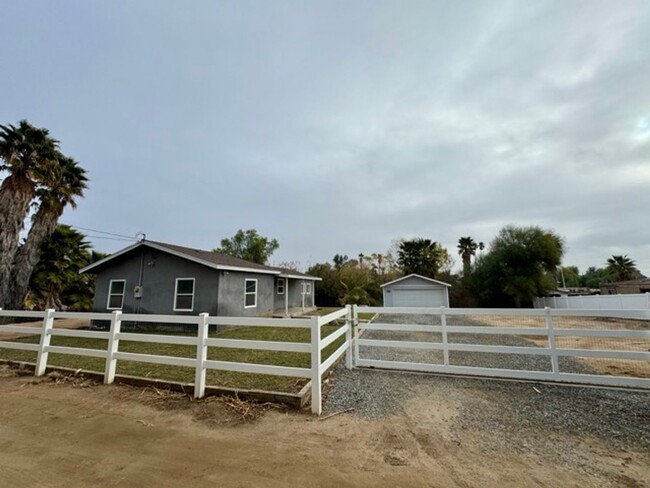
{"x":186,"y":375}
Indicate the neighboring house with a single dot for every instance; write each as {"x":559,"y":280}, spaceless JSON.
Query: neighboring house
{"x":157,"y":278}
{"x":574,"y":292}
{"x":416,"y":291}
{"x":625,"y":287}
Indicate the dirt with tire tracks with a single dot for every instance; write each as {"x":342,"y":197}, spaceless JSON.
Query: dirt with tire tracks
{"x":56,"y":433}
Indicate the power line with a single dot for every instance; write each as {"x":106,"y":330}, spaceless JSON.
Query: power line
{"x":132,"y":239}
{"x":104,"y":232}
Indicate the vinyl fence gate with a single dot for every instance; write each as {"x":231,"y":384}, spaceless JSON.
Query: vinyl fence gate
{"x":596,"y":347}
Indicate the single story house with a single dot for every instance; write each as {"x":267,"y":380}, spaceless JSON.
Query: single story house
{"x":625,"y":287}
{"x":157,"y":278}
{"x":416,"y":291}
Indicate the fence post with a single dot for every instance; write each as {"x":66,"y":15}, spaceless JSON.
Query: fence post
{"x":113,"y":347}
{"x":443,"y":325}
{"x":348,"y":336}
{"x":316,"y":406}
{"x":555,"y":365}
{"x":355,"y":325}
{"x":201,"y":356}
{"x":41,"y":361}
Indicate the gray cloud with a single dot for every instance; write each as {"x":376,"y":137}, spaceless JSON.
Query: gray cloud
{"x":338,"y":127}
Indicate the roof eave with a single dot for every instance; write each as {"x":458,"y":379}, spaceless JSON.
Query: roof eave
{"x":298,"y":277}
{"x":417,"y":276}
{"x":179,"y":254}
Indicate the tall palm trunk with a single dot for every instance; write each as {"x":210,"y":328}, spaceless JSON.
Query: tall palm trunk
{"x":467,"y":263}
{"x":43,"y":226}
{"x":15,"y":196}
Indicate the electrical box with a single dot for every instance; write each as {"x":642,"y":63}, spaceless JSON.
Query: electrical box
{"x":137,"y":291}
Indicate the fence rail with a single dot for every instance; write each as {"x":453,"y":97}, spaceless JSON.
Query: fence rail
{"x":202,"y":342}
{"x":471,"y":333}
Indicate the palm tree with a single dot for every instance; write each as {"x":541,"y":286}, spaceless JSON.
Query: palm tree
{"x":25,"y":153}
{"x":56,"y":281}
{"x":621,"y":268}
{"x":67,"y":181}
{"x":467,"y":248}
{"x":420,"y":256}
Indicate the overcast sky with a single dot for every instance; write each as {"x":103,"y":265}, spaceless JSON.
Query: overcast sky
{"x":337,"y":127}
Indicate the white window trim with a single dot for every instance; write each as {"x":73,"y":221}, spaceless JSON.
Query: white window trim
{"x":246,"y":293}
{"x":176,"y":294}
{"x":277,"y":286}
{"x":306,"y":288}
{"x":108,"y":300}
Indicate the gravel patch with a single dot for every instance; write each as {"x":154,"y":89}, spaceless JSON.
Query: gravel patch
{"x":540,"y":419}
{"x":458,"y":358}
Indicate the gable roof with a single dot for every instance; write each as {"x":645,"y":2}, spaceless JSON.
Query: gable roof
{"x":414,"y":275}
{"x":210,"y":259}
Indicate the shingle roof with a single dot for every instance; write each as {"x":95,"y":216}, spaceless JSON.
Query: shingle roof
{"x":214,"y":257}
{"x":208,"y":258}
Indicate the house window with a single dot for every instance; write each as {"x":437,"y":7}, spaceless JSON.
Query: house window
{"x":250,"y":294}
{"x":116,"y":294}
{"x":306,"y":288}
{"x":280,"y":286}
{"x":184,"y":295}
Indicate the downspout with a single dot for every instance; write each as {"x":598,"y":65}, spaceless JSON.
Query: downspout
{"x":138,"y":308}
{"x":286,"y":297}
{"x":302,"y":292}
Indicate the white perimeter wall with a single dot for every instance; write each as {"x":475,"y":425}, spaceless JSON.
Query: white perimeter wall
{"x":636,"y":301}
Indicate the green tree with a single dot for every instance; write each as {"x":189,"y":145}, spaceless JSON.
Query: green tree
{"x":593,"y":277}
{"x":65,"y":183}
{"x":520,"y":265}
{"x":340,"y":260}
{"x":249,"y":245}
{"x":466,"y":249}
{"x":421,"y":256}
{"x":621,"y":268}
{"x":26,"y":154}
{"x":329,"y":289}
{"x":56,"y":282}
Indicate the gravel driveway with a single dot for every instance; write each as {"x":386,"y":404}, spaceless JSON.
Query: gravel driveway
{"x":532,"y":417}
{"x":457,"y":358}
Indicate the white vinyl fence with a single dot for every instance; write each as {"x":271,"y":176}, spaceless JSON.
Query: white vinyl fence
{"x":531,"y":344}
{"x":202,"y":342}
{"x":632,"y":301}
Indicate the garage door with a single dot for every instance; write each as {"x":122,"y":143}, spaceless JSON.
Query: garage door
{"x":418,"y":298}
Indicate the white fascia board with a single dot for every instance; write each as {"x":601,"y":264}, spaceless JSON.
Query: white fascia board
{"x":297,"y":277}
{"x":236,"y":268}
{"x":415,"y":275}
{"x":108,"y":258}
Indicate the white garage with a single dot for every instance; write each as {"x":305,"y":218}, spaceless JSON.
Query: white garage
{"x":416,"y":291}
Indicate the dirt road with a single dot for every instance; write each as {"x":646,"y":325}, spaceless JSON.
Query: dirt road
{"x":72,"y":434}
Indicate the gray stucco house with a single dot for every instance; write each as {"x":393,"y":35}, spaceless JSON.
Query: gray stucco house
{"x":156,"y":278}
{"x":415,"y":290}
